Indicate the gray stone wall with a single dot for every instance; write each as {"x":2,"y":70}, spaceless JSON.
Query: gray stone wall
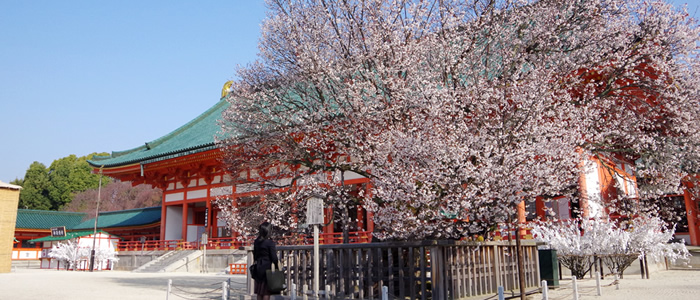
{"x":217,"y":261}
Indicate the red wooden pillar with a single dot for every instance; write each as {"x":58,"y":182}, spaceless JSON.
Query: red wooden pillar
{"x":370,"y":215}
{"x":208,"y":217}
{"x":214,"y":223}
{"x":540,"y":209}
{"x":521,"y":212}
{"x":184,"y":222}
{"x":328,"y":216}
{"x":162,"y":219}
{"x":360,"y":218}
{"x":370,"y":221}
{"x":521,"y":217}
{"x":691,"y":208}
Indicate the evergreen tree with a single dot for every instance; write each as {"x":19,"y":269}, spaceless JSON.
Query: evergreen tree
{"x":35,"y":192}
{"x":70,"y":175}
{"x":55,"y":187}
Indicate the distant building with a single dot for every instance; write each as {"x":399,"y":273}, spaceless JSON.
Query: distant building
{"x":33,"y":227}
{"x":33,"y":224}
{"x":102,"y":241}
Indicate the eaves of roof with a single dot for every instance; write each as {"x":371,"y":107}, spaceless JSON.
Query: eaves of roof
{"x":195,"y":136}
{"x":45,"y":219}
{"x":69,"y":236}
{"x":123,"y":218}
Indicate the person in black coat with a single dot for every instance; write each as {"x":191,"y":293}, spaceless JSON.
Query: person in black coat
{"x":264,"y":254}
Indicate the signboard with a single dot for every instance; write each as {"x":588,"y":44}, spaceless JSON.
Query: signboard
{"x":58,"y":231}
{"x":314,"y":211}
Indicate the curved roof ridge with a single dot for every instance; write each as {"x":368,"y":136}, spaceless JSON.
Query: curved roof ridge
{"x":130,"y":210}
{"x":53,"y":212}
{"x":160,"y":140}
{"x":194,"y":136}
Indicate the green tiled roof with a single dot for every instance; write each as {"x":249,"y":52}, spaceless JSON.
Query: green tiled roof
{"x":45,"y":219}
{"x":195,"y":136}
{"x":69,"y":235}
{"x":129,"y":217}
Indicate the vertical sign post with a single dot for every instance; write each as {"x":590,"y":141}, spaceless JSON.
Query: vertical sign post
{"x":204,"y":241}
{"x":314,"y":216}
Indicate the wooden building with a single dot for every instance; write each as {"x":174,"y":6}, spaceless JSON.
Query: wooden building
{"x":33,"y":224}
{"x":84,"y":240}
{"x":131,"y":226}
{"x":185,"y":164}
{"x":138,"y":224}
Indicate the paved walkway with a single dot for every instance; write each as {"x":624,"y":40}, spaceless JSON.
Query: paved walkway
{"x":112,"y":285}
{"x":667,"y":284}
{"x":118,"y":285}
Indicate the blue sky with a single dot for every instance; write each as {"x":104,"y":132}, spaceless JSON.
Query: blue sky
{"x":78,"y":77}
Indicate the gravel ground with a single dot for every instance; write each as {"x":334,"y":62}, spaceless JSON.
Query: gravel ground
{"x":118,"y":285}
{"x":668,"y":284}
{"x":112,"y":285}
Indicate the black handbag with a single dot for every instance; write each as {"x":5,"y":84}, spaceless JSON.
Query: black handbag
{"x":253,"y":271}
{"x":275,"y":280}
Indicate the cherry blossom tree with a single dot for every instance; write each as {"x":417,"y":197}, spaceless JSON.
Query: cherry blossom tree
{"x":69,"y":252}
{"x":578,"y":242}
{"x":650,"y":237}
{"x":456,"y":111}
{"x":105,"y":256}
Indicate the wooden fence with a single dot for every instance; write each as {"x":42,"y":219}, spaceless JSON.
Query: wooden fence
{"x":410,"y":270}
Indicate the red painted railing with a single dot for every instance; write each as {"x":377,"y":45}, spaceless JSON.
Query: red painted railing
{"x":234,"y":243}
{"x":155,"y":245}
{"x":355,"y":237}
{"x":227,"y":243}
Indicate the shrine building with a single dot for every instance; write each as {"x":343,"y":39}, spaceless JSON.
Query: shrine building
{"x":186,"y":165}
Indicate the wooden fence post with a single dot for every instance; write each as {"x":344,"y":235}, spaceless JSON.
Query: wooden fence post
{"x":442,"y":269}
{"x":437,"y":268}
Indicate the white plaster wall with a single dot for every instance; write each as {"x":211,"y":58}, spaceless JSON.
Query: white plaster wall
{"x":220,"y":222}
{"x":247,"y":187}
{"x":194,"y":232}
{"x":196,"y":194}
{"x":595,"y":200}
{"x":102,"y":241}
{"x":174,"y":197}
{"x":173,"y":223}
{"x":219,"y":191}
{"x":352,"y":175}
{"x":564,"y":210}
{"x":283,"y":182}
